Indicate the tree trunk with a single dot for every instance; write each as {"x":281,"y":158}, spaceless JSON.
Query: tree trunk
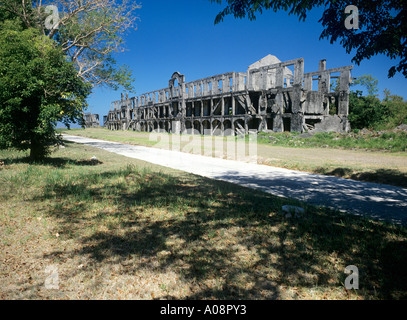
{"x":37,"y":150}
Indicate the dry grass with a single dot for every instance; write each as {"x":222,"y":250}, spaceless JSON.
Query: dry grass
{"x":126,"y":229}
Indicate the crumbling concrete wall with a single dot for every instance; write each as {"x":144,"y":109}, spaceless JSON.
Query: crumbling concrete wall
{"x":271,"y":95}
{"x":91,"y":120}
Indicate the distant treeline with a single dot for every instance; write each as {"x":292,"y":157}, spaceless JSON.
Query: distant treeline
{"x":368,"y":111}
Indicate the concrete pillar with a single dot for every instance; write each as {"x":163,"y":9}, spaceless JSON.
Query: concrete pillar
{"x":278,"y":113}
{"x":246,"y":126}
{"x":322,"y":65}
{"x":344,"y":82}
{"x":176,"y":127}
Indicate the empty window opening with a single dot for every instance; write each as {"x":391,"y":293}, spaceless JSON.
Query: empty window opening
{"x":287,"y":124}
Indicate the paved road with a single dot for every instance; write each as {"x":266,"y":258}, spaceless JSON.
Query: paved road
{"x":378,"y":201}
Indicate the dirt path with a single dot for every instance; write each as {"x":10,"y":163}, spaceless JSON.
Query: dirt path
{"x":378,"y":201}
{"x":362,"y":165}
{"x":293,"y":158}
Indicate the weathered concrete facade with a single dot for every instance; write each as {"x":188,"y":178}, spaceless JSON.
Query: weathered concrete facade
{"x":91,"y":120}
{"x":271,"y":95}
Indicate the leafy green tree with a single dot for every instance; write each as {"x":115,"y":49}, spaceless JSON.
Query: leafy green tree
{"x":369,"y":112}
{"x":38,"y":88}
{"x":365,"y":111}
{"x":369,"y":82}
{"x":89,"y":32}
{"x":396,"y":110}
{"x":48,"y":69}
{"x":382,"y":24}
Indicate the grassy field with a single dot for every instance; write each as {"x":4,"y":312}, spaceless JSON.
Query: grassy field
{"x":388,"y":141}
{"x":323,"y":153}
{"x":391,"y":141}
{"x":119,"y":228}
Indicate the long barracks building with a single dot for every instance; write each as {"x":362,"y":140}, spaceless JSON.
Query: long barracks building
{"x":271,"y":95}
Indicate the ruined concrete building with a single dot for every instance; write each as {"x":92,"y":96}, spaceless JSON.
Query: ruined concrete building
{"x":91,"y":120}
{"x":272,"y":95}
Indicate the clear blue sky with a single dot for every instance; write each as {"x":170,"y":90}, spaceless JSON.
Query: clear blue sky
{"x":180,"y":35}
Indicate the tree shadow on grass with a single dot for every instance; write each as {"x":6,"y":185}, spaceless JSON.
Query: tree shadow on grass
{"x":57,"y":162}
{"x":54,"y":162}
{"x":231,"y":242}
